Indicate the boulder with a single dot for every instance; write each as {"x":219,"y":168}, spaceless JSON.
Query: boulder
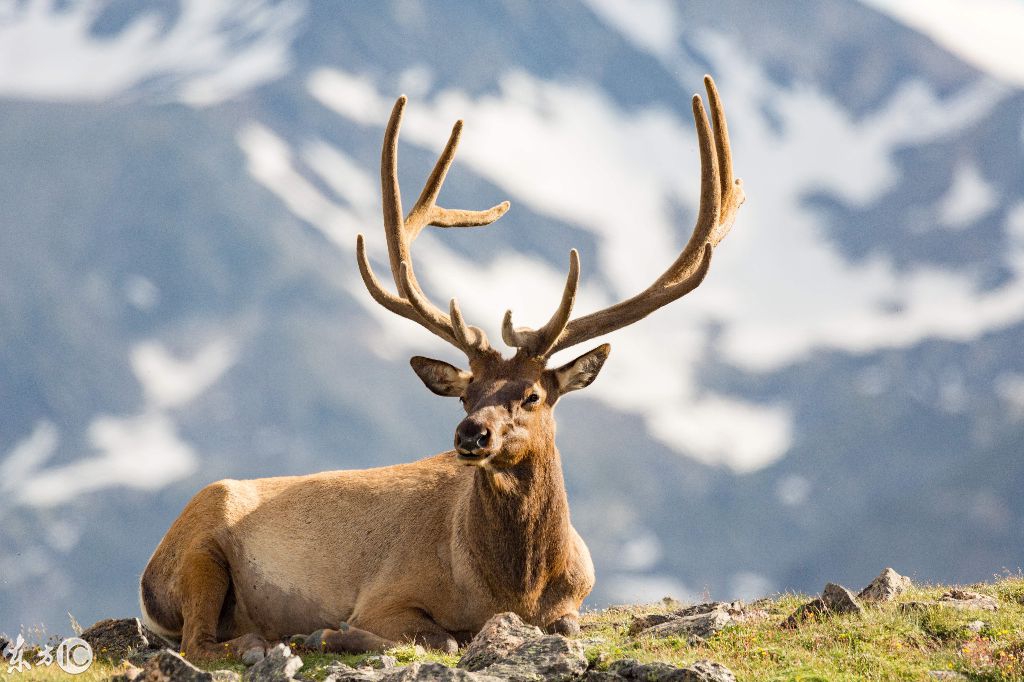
{"x":339,"y":672}
{"x":965,"y":599}
{"x":887,"y":586}
{"x":553,"y":658}
{"x":115,"y":639}
{"x":811,"y":609}
{"x":499,"y":637}
{"x":834,"y":599}
{"x":380,"y":662}
{"x":838,"y":599}
{"x":279,"y":665}
{"x":168,"y":666}
{"x":695,"y":627}
{"x":429,"y":672}
{"x":631,"y":671}
{"x":225,"y":676}
{"x":641,"y":623}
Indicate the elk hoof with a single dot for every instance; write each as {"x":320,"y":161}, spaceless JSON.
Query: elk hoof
{"x":566,"y":625}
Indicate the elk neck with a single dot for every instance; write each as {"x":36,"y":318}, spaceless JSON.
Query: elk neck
{"x":518,"y":523}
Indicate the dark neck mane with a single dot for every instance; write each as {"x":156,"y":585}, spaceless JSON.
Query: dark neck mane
{"x":518,"y":527}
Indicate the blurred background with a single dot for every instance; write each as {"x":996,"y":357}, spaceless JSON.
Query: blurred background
{"x":181,"y":183}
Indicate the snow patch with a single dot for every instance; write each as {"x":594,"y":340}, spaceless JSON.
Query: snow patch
{"x":169,"y":382}
{"x":984,"y":33}
{"x":143,"y":452}
{"x":211,"y":52}
{"x":969,"y":199}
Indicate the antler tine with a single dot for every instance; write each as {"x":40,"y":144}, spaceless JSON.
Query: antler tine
{"x":396,"y":304}
{"x":732,"y":189}
{"x":720,"y":197}
{"x":539,"y":342}
{"x":470,"y":337}
{"x":411,"y":302}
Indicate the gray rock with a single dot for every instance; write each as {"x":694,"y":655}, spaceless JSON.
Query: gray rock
{"x":811,"y":609}
{"x":838,"y":599}
{"x":279,"y":665}
{"x":641,"y":623}
{"x":499,"y":637}
{"x":631,"y":671}
{"x":695,"y":628}
{"x":380,"y":662}
{"x":114,"y":639}
{"x":424,"y":672}
{"x":339,"y":672}
{"x":552,"y":657}
{"x":834,"y":599}
{"x":976,"y":625}
{"x":251,"y":657}
{"x":946,"y":675}
{"x":887,"y":586}
{"x":965,"y":599}
{"x":168,"y":666}
{"x":225,"y":676}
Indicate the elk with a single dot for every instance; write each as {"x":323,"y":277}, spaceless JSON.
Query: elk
{"x":425,"y":551}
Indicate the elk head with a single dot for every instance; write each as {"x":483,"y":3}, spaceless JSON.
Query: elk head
{"x":509,"y":401}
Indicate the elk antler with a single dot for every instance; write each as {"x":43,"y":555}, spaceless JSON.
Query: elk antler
{"x":411,"y":302}
{"x":720,"y":197}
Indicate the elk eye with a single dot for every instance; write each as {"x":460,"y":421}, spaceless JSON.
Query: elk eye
{"x":462,"y":399}
{"x":531,"y":399}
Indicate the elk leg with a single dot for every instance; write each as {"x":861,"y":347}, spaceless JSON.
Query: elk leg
{"x":412,"y":624}
{"x":345,"y":640}
{"x":204,"y":584}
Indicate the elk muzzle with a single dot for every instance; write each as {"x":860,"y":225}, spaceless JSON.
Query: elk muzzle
{"x":473,"y":439}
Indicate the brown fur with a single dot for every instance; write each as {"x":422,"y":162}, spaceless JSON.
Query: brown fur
{"x":424,"y":550}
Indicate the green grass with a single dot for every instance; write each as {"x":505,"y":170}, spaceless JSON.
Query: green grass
{"x":884,"y":643}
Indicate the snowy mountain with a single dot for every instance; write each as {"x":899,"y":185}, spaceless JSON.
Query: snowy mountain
{"x":182,"y":183}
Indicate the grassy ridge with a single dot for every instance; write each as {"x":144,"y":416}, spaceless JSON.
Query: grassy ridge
{"x":883,"y":643}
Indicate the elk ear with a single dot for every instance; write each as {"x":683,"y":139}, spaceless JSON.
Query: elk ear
{"x":440,"y":377}
{"x":582,"y":371}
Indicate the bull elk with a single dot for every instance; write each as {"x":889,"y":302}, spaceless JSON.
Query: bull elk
{"x":429,"y":550}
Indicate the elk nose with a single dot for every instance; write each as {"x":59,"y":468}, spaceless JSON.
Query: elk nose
{"x":471,"y":436}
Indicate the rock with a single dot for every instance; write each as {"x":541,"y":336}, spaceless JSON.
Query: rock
{"x":553,"y":658}
{"x":695,"y":628}
{"x":916,"y":606}
{"x":630,"y":671}
{"x":225,"y":676}
{"x":130,"y":674}
{"x":339,"y":672}
{"x":279,"y":665}
{"x":423,"y":672}
{"x":838,"y":599}
{"x":976,"y":625}
{"x":168,"y":666}
{"x":114,"y":639}
{"x":834,"y":599}
{"x":499,"y":637}
{"x":811,"y":609}
{"x":887,"y":586}
{"x":946,"y":675}
{"x":380,"y":662}
{"x":251,"y":657}
{"x":640,"y":623}
{"x":964,"y":599}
